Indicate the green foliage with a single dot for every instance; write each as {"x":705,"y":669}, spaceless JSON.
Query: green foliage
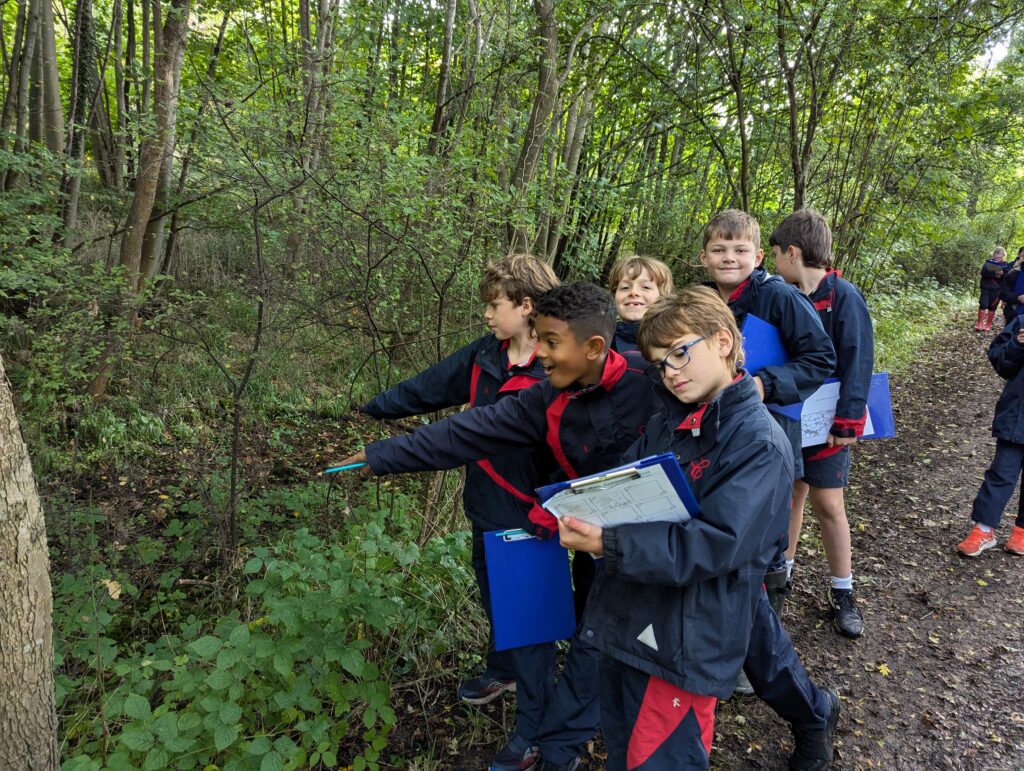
{"x":300,"y":678}
{"x":904,"y":320}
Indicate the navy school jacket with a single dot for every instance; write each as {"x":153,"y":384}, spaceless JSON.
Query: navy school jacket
{"x":585,"y":429}
{"x":498,"y":493}
{"x":625,"y":336}
{"x":845,"y":317}
{"x":675,"y":600}
{"x":1007,"y":357}
{"x":812,"y":357}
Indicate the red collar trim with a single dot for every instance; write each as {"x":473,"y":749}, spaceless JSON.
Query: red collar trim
{"x":533,"y":354}
{"x":692,"y":422}
{"x":614,"y":369}
{"x":737,"y":293}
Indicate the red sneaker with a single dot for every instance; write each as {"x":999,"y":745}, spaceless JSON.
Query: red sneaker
{"x":976,"y":542}
{"x":1016,"y":543}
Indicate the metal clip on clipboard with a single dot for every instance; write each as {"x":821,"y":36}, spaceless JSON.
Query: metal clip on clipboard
{"x":600,"y":481}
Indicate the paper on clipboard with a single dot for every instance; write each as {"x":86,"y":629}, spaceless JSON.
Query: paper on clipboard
{"x":818,"y":412}
{"x":651,"y":490}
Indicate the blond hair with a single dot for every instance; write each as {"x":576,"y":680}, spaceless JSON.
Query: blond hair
{"x":632,"y":267}
{"x":696,"y":309}
{"x":517,"y":276}
{"x":733,"y":224}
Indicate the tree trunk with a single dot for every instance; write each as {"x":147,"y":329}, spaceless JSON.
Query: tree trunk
{"x":438,"y":124}
{"x":28,"y":715}
{"x":82,"y":85}
{"x":155,"y":146}
{"x":540,"y":115}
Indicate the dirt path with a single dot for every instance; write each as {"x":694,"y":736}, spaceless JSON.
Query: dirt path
{"x":936,"y":682}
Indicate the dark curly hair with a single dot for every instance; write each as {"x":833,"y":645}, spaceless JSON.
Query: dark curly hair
{"x":588,"y":309}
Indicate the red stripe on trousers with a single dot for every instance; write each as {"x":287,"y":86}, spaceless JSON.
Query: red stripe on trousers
{"x":664,"y":707}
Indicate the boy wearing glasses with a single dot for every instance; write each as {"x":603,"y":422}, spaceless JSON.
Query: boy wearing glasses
{"x":732,"y":256}
{"x":594,"y":405}
{"x":668,"y":609}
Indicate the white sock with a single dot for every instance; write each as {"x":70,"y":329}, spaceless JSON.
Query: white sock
{"x":789,"y":569}
{"x":843,"y":583}
{"x":983,"y":528}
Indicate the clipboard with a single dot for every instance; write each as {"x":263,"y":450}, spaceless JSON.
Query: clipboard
{"x":762,"y":345}
{"x":653,"y":489}
{"x":531,"y":589}
{"x":880,"y":423}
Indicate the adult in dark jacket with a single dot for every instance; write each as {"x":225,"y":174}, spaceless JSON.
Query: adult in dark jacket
{"x":992,"y":272}
{"x":1007,"y":356}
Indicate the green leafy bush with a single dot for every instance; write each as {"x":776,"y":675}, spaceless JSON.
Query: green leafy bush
{"x":299,"y":678}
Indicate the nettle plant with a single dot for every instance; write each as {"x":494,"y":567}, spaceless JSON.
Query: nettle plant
{"x":305,"y":683}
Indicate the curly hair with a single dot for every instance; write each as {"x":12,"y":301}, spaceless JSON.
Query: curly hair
{"x":588,"y":309}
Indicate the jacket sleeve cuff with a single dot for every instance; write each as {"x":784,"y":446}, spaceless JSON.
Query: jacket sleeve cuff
{"x":373,"y":459}
{"x":541,"y":523}
{"x":768,"y":383}
{"x":848,"y":428}
{"x":610,"y":544}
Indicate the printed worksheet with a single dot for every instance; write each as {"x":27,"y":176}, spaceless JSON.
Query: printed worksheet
{"x":641,"y":495}
{"x":818,"y":413}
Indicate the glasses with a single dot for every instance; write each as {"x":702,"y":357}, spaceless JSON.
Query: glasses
{"x":677,"y":358}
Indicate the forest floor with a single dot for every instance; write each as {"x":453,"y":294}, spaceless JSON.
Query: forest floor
{"x":936,"y":680}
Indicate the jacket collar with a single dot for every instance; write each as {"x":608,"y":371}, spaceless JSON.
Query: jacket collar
{"x":614,"y":369}
{"x":626,"y":331}
{"x":703,"y":420}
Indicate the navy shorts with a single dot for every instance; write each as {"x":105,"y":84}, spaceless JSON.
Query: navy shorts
{"x":989,"y":299}
{"x":832,"y":470}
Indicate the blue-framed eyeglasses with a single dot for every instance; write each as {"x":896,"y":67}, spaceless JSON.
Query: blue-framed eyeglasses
{"x":677,"y":358}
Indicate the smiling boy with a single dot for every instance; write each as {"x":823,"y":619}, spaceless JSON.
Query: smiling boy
{"x":594,"y":403}
{"x":732,"y":256}
{"x":637,"y":283}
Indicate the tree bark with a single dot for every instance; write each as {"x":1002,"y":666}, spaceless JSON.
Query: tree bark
{"x":156,"y":146}
{"x":28,"y":715}
{"x":540,"y":115}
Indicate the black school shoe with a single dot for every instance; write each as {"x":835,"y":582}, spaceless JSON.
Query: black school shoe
{"x":484,"y":689}
{"x":846,"y":616}
{"x":572,"y":765}
{"x":813,"y":749}
{"x":518,"y":754}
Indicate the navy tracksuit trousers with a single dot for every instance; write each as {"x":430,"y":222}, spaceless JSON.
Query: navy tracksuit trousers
{"x":777,"y":674}
{"x":532,"y":666}
{"x":998,"y":485}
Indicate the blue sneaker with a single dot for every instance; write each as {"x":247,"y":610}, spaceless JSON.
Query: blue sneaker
{"x":517,"y":755}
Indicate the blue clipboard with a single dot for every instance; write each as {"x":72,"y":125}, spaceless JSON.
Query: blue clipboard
{"x":762,"y":345}
{"x":883,"y":425}
{"x":531,"y":589}
{"x":621,"y":475}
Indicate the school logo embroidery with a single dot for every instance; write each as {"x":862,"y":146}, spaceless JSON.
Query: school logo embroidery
{"x":697,"y":467}
{"x":647,"y":637}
